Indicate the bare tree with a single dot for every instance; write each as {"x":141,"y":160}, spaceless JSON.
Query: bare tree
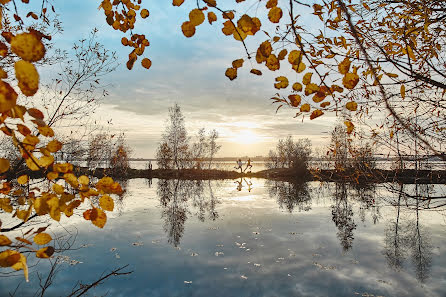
{"x":175,"y":139}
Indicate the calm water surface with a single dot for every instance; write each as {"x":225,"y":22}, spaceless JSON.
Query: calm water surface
{"x":257,"y":238}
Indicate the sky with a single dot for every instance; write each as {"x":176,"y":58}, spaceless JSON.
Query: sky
{"x":190,"y":72}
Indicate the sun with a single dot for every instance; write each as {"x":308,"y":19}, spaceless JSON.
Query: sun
{"x":246,"y":137}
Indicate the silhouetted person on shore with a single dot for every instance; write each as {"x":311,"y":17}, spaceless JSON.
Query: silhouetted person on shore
{"x":239,"y":165}
{"x":248,"y":164}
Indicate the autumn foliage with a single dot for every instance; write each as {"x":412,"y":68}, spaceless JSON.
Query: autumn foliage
{"x":355,"y":57}
{"x":35,"y":139}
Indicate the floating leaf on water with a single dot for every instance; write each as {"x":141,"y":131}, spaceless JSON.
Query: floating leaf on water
{"x":187,"y":282}
{"x":257,"y":265}
{"x":137,"y":243}
{"x":113,"y":249}
{"x":193,"y":254}
{"x":243,"y":277}
{"x":217,"y":254}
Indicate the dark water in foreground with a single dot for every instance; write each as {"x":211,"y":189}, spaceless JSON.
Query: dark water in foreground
{"x":186,"y":238}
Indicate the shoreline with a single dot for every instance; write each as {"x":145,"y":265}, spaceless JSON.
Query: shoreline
{"x":406,"y":176}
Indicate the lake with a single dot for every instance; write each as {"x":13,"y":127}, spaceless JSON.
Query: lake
{"x":254,"y":237}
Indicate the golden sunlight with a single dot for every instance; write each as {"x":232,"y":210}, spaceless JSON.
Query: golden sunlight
{"x":246,"y":137}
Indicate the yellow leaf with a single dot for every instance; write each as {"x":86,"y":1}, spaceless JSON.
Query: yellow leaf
{"x":272,"y":63}
{"x":8,"y":258}
{"x":58,"y":189}
{"x":63,"y":167}
{"x":305,"y":107}
{"x":23,"y":129}
{"x":45,"y":252}
{"x":52,"y":175}
{"x":24,"y":240}
{"x":294,"y":100}
{"x":177,"y":2}
{"x":297,"y":87}
{"x":27,"y":76}
{"x":32,"y":163}
{"x":84,"y":180}
{"x":391,"y":134}
{"x":229,"y":15}
{"x":45,"y":161}
{"x":319,"y":97}
{"x":311,"y":89}
{"x":196,"y":17}
{"x":282,"y":82}
{"x":23,"y":214}
{"x":352,"y":106}
{"x":350,"y":80}
{"x":71,"y":179}
{"x":299,"y":68}
{"x":8,"y":96}
{"x":344,"y":66}
{"x":393,"y":75}
{"x":275,"y":14}
{"x":106,"y":203}
{"x":295,"y":57}
{"x":211,"y":17}
{"x":265,"y":49}
{"x":350,"y":126}
{"x":282,"y":54}
{"x":42,"y":238}
{"x":35,"y":113}
{"x":256,"y":72}
{"x":228,"y":28}
{"x":146,"y":63}
{"x":316,"y":113}
{"x":54,"y":146}
{"x":4,"y":165}
{"x":4,"y":241}
{"x":28,"y":46}
{"x":5,"y":204}
{"x":144,"y":13}
{"x":188,"y":29}
{"x":21,"y":264}
{"x":237,"y":63}
{"x":23,"y":179}
{"x":239,"y":34}
{"x":307,"y":78}
{"x":98,"y":217}
{"x":403,"y":91}
{"x":271,"y":4}
{"x":246,"y":23}
{"x":231,"y":73}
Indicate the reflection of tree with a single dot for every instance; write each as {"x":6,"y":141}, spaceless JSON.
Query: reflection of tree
{"x":174,"y":197}
{"x":342,"y":215}
{"x":364,"y":193}
{"x":407,"y":238}
{"x":290,"y":194}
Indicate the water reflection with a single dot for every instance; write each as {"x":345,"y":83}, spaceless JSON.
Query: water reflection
{"x":408,"y":244}
{"x":405,"y":237}
{"x":290,"y":195}
{"x":176,"y":196}
{"x":342,"y":216}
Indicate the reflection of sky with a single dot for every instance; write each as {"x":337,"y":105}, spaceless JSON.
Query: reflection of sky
{"x":279,"y":253}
